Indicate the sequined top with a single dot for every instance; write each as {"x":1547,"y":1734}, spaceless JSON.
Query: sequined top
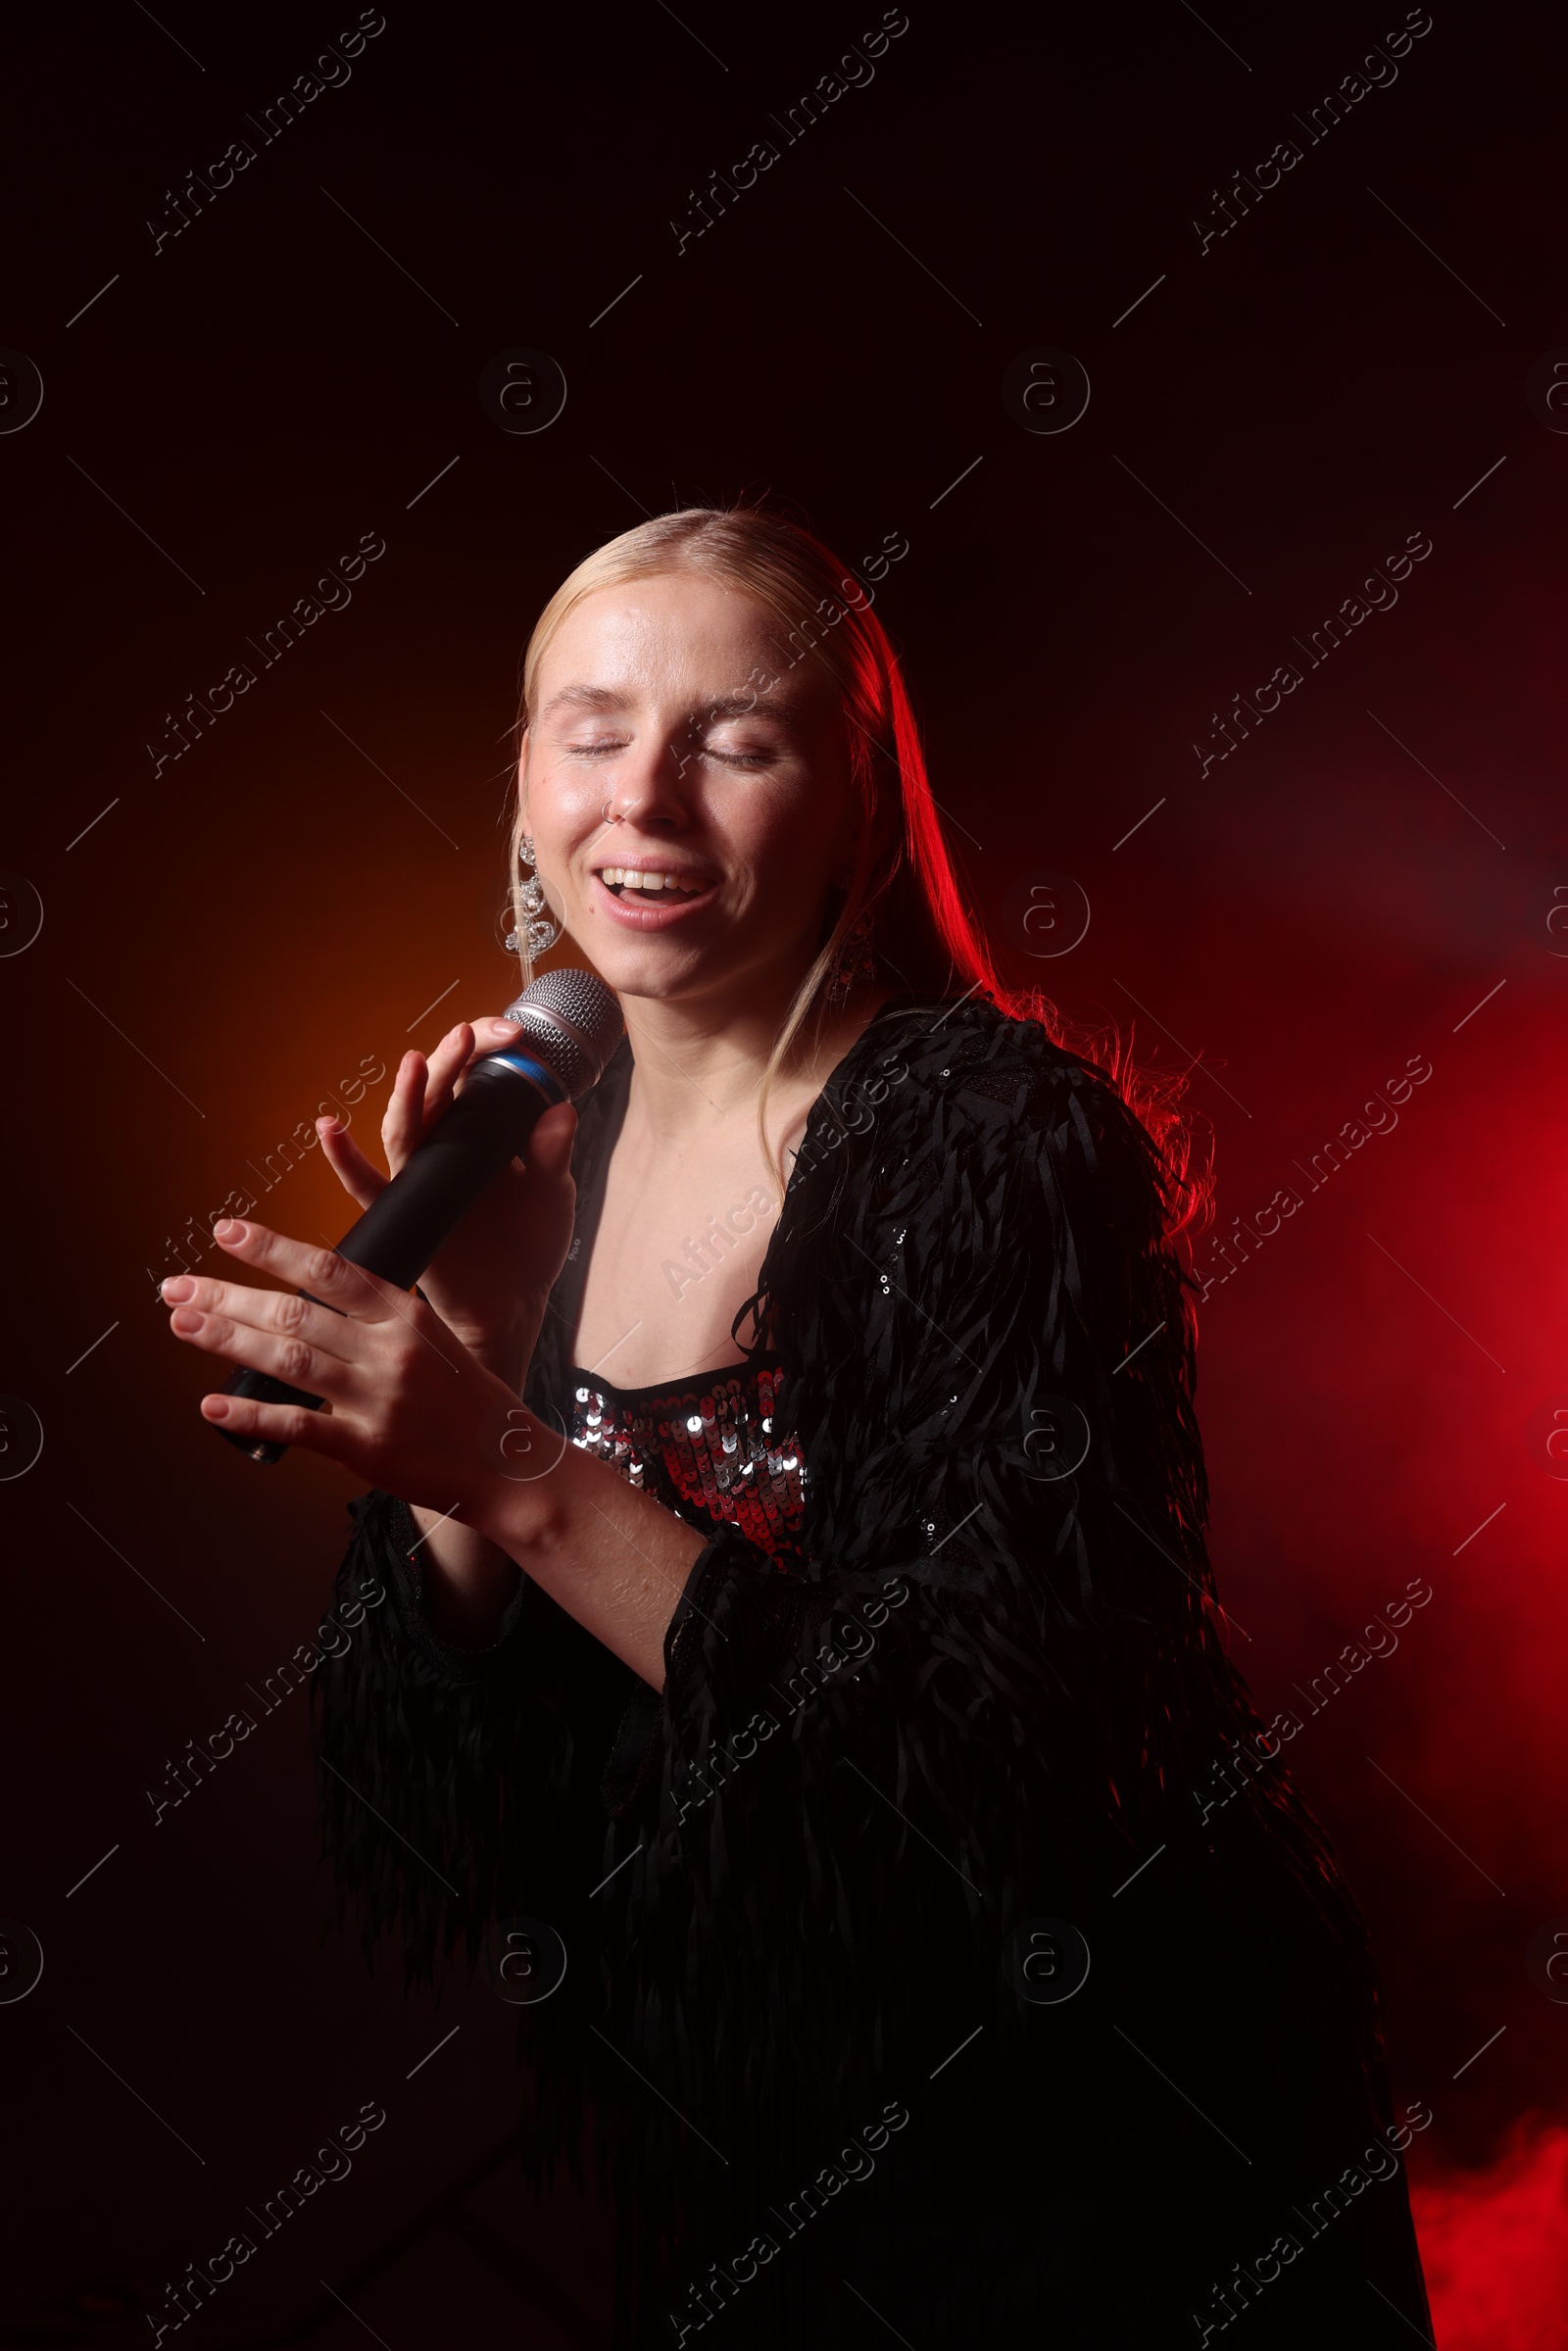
{"x":716,"y":1449}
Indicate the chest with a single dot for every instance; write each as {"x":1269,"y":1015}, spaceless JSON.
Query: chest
{"x":678,"y":1251}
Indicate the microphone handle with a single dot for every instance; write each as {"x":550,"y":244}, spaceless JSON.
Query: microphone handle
{"x":503,"y":1098}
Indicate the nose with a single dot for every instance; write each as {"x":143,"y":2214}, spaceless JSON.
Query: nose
{"x":651,"y":784}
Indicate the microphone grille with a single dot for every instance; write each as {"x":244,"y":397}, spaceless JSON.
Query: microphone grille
{"x":573,"y":1024}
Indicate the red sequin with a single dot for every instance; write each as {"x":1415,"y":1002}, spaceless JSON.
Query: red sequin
{"x":714,"y":1446}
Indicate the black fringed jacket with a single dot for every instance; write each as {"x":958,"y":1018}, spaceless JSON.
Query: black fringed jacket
{"x":802,"y":1889}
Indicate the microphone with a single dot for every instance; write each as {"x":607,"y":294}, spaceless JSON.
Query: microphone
{"x":568,"y":1024}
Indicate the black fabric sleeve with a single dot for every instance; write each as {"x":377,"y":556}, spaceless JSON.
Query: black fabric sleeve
{"x":1004,"y":1661}
{"x":456,"y":1786}
{"x":401,"y":1546}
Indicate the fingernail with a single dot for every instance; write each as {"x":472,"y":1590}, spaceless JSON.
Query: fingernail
{"x":185,"y":1321}
{"x":216,"y":1407}
{"x":228,"y":1231}
{"x":177,"y":1286}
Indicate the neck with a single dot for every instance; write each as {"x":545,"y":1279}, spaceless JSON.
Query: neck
{"x":697,"y":1062}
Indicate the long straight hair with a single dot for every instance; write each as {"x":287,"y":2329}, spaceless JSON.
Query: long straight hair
{"x":903,"y":889}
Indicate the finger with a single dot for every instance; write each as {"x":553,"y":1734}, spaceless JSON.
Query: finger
{"x":493,"y":1034}
{"x":403,"y":1124}
{"x":292,"y":1360}
{"x":284,"y":1352}
{"x":283,"y":1424}
{"x":320,"y":1271}
{"x":282,"y":1313}
{"x":359,"y":1180}
{"x":550,"y":1143}
{"x":448,"y":1061}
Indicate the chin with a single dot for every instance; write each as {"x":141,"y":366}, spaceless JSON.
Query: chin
{"x":659,"y":965}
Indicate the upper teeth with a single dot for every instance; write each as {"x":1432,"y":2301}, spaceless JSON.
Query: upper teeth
{"x":635,"y":880}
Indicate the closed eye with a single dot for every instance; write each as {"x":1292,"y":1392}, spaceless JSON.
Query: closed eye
{"x":731,"y":759}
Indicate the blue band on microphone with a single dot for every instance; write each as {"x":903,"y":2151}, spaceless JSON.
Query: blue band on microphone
{"x":525,"y":1066}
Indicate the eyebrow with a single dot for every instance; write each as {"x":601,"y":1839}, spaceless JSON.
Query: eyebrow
{"x":729,"y":705}
{"x":758,"y":705}
{"x":586,"y":698}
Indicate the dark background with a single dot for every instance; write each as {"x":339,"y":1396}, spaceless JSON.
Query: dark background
{"x":316,"y":884}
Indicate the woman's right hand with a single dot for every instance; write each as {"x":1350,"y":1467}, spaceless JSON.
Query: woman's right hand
{"x":490,"y":1283}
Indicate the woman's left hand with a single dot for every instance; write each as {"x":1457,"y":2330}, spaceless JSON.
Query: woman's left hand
{"x":408,"y":1409}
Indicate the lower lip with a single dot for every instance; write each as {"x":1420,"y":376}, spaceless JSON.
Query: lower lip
{"x":656,"y":915}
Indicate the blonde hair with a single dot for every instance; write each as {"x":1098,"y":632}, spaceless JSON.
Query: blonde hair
{"x":922,"y":934}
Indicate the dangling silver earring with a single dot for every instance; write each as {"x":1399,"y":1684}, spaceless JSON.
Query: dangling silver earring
{"x":856,"y":961}
{"x":543,"y":930}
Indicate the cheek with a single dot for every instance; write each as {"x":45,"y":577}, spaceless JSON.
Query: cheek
{"x":565,"y":804}
{"x":781,"y":829}
{"x":781,"y":870}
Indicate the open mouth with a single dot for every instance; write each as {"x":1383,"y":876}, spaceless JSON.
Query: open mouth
{"x":651,"y":888}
